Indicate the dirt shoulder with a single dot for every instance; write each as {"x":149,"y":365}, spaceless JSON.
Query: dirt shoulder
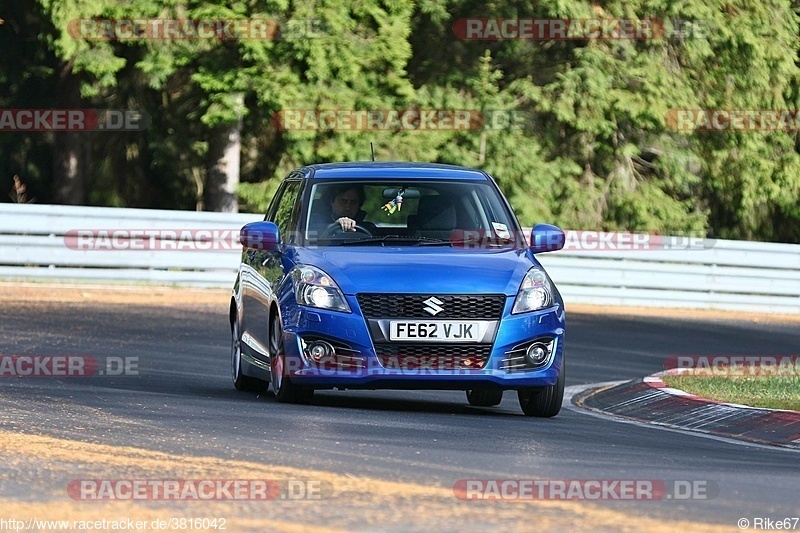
{"x":47,"y":467}
{"x":123,"y":294}
{"x":165,"y":295}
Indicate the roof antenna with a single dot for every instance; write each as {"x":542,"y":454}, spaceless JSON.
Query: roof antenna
{"x":372,"y":149}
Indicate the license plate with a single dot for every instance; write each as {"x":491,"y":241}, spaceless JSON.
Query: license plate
{"x":439,"y":331}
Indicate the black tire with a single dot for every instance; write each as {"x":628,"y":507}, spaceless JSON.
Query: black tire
{"x":240,"y":381}
{"x":285,"y":390}
{"x":484,"y":397}
{"x":543,"y":402}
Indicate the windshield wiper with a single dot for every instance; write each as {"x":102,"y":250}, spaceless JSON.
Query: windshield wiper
{"x":483,"y":243}
{"x":427,"y":241}
{"x":395,"y":238}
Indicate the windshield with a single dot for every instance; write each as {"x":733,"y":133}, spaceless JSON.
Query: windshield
{"x":410,"y":213}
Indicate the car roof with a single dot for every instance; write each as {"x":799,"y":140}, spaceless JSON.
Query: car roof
{"x":383,"y":169}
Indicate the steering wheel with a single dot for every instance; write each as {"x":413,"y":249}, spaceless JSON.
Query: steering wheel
{"x":335,"y":229}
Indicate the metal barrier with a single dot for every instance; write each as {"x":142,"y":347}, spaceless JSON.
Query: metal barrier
{"x":48,"y":242}
{"x":41,"y":242}
{"x":736,"y":275}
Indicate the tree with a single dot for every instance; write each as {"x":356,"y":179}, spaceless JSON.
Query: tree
{"x":83,"y":67}
{"x":575,"y":131}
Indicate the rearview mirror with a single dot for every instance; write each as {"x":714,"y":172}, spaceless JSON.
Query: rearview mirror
{"x":391,"y":192}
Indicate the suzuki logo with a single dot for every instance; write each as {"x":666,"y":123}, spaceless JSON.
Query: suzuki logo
{"x":433,"y":305}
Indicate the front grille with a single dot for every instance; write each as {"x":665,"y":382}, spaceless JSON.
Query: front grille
{"x":485,"y":307}
{"x":436,"y":356}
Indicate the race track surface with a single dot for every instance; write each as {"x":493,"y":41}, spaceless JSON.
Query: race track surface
{"x":182,"y":403}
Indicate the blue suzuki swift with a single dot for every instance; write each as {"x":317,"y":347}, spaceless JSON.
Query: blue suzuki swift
{"x":397,"y":276}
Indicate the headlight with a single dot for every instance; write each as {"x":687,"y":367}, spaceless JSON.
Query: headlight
{"x":535,"y":292}
{"x":314,"y":288}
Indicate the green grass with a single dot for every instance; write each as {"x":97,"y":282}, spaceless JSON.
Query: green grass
{"x":774,"y":392}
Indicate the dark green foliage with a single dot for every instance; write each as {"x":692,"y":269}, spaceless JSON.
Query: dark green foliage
{"x":592,"y":148}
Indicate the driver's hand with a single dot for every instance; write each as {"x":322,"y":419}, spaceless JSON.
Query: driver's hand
{"x":347,"y":224}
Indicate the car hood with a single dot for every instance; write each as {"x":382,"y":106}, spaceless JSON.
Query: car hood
{"x":421,"y":269}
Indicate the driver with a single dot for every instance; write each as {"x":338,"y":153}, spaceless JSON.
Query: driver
{"x":345,"y":209}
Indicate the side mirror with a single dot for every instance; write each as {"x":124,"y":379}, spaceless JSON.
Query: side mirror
{"x":547,"y":238}
{"x":260,"y":236}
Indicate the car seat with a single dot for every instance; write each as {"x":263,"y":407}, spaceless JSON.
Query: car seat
{"x":435,"y":218}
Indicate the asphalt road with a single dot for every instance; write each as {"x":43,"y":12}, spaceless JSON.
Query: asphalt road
{"x":182,"y":402}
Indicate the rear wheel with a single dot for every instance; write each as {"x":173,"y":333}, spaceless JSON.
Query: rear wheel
{"x":285,"y":390}
{"x":484,"y":397}
{"x":543,"y":401}
{"x":240,"y":381}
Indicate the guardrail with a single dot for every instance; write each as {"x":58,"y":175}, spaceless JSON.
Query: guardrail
{"x":35,"y":245}
{"x":735,"y":275}
{"x":42,"y":242}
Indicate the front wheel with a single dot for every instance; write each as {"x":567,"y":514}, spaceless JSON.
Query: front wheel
{"x":285,"y":390}
{"x":543,"y":401}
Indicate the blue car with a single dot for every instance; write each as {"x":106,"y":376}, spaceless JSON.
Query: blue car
{"x":397,"y":276}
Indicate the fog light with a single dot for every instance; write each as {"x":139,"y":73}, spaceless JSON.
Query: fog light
{"x":319,"y":350}
{"x":537,"y":354}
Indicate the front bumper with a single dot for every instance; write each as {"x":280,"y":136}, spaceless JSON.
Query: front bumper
{"x":351,"y":329}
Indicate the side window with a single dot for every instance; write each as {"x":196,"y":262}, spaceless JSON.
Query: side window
{"x":286,"y":210}
{"x":276,"y":199}
{"x":273,"y":205}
